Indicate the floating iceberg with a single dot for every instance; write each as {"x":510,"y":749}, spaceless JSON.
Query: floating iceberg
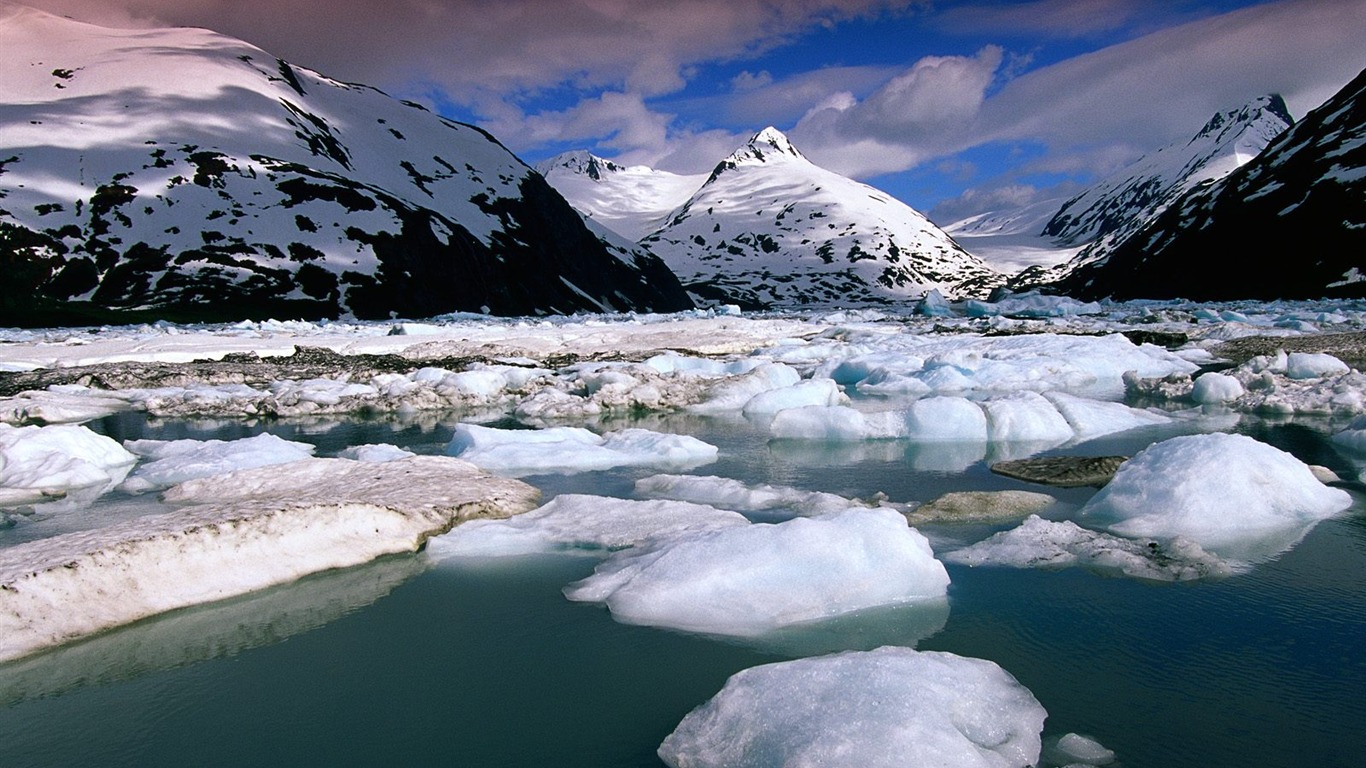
{"x":750,"y":580}
{"x":1224,"y":492}
{"x":519,"y":452}
{"x":244,"y":531}
{"x":43,"y":463}
{"x":728,"y":493}
{"x":891,"y":707}
{"x":1039,"y":543}
{"x":167,"y":462}
{"x":583,"y":524}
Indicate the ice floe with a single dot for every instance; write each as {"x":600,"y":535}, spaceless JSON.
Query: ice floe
{"x":582,"y":524}
{"x":574,"y":449}
{"x":749,"y":580}
{"x":40,"y":464}
{"x":1048,"y":544}
{"x":241,"y":532}
{"x":1230,"y":494}
{"x":727,"y":493}
{"x":167,"y":462}
{"x":885,"y":707}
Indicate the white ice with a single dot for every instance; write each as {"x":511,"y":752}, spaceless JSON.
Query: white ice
{"x":1313,"y":365}
{"x":583,"y":524}
{"x":44,"y":463}
{"x":167,"y":462}
{"x":1049,"y":419}
{"x":750,"y":580}
{"x":519,"y":452}
{"x":243,"y":531}
{"x":1040,"y":543}
{"x":891,"y":707}
{"x":728,"y":493}
{"x":374,"y":452}
{"x":1215,"y":388}
{"x":1227,"y":493}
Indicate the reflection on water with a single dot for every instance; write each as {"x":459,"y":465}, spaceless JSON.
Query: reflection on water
{"x":495,"y":667}
{"x":214,"y":631}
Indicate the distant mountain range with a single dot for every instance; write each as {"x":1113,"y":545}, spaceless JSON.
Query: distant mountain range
{"x":767,"y":228}
{"x":190,"y":174}
{"x":1291,"y":223}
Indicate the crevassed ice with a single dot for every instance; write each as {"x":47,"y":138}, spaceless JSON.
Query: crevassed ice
{"x":890,"y":707}
{"x":749,"y":580}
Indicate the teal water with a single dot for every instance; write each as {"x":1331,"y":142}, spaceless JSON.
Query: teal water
{"x":404,"y":662}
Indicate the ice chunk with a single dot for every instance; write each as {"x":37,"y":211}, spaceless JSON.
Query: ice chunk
{"x":1026,"y":417}
{"x":1039,"y":543}
{"x":836,"y":422}
{"x":1215,"y":388}
{"x":376,"y":452}
{"x":1221,"y":491}
{"x":70,"y":404}
{"x":1075,"y":749}
{"x":1313,"y":365}
{"x":727,"y":493}
{"x":891,"y":707}
{"x":732,"y":394}
{"x":933,"y":304}
{"x":574,"y":449}
{"x":42,"y":463}
{"x":1090,"y":419}
{"x":1354,"y":437}
{"x":801,"y":394}
{"x":574,"y":522}
{"x":946,"y":418}
{"x":167,"y":462}
{"x":243,"y":531}
{"x":750,"y":580}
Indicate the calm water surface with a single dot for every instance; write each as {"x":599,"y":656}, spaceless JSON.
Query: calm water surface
{"x":405,"y":662}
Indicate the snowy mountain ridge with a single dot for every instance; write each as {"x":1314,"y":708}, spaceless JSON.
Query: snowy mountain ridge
{"x":631,"y":200}
{"x":1302,"y":199}
{"x":767,"y":228}
{"x":180,"y":168}
{"x":1114,"y":208}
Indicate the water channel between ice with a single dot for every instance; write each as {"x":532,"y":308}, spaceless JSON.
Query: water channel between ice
{"x":485,"y":663}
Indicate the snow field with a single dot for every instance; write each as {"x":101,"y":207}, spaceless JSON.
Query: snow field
{"x":241,"y":532}
{"x":750,"y":580}
{"x":888,"y":707}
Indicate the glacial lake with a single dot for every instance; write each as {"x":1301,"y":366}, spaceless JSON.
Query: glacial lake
{"x":485,"y":663}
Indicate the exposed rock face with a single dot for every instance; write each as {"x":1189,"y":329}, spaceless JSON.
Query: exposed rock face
{"x":195,"y":174}
{"x":1062,"y":471}
{"x":1301,"y":204}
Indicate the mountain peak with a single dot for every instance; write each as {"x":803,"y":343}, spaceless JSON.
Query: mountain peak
{"x":579,"y":161}
{"x":1269,"y":108}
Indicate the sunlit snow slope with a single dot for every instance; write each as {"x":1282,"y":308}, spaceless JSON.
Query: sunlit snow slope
{"x":768,"y":228}
{"x":180,"y":168}
{"x":631,"y":200}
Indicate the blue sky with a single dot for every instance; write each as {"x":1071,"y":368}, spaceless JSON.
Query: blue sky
{"x":954,"y":107}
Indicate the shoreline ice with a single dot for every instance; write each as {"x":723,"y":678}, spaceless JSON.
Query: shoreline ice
{"x":242,"y":531}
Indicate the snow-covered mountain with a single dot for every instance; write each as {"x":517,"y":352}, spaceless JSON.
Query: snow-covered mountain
{"x":1290,"y":224}
{"x":770,"y":229}
{"x":188,"y":171}
{"x":631,"y":200}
